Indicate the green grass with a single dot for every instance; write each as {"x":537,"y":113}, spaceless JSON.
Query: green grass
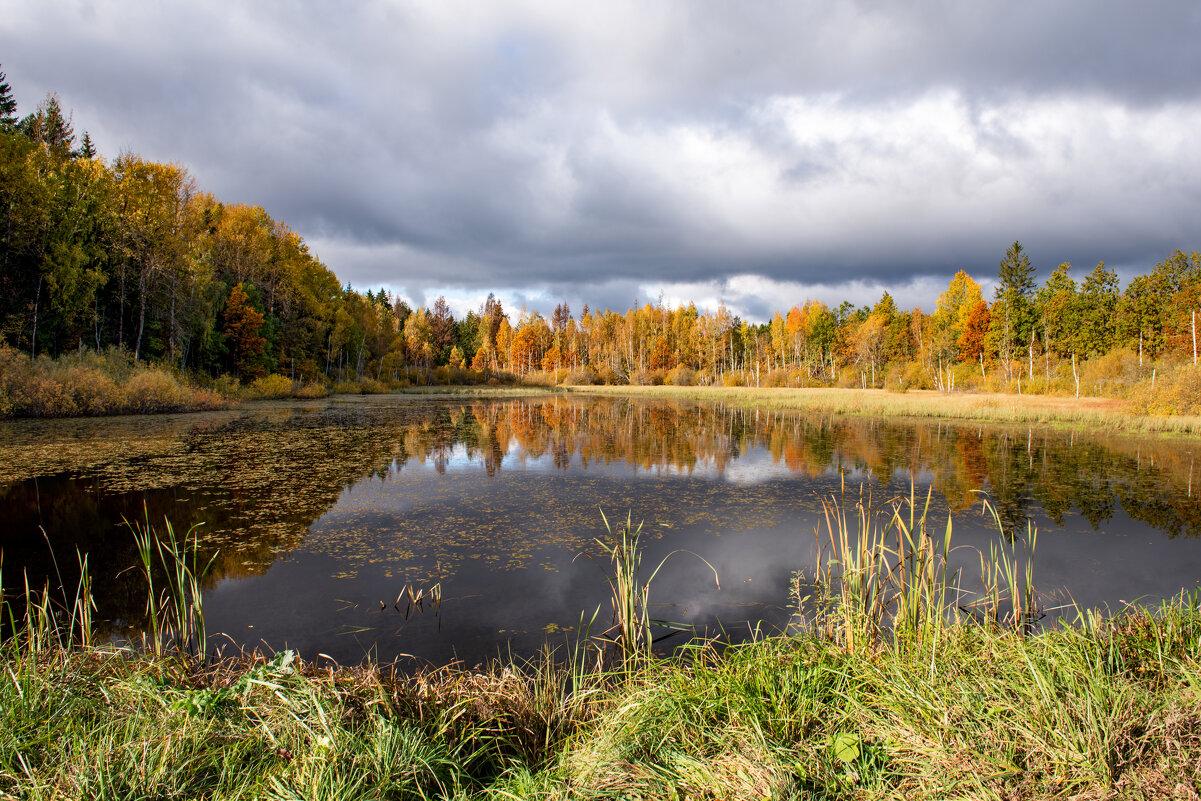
{"x":885,"y":688}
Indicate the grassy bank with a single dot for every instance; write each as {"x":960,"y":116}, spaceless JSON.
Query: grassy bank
{"x":893,"y":682}
{"x":1110,"y":709}
{"x":91,"y":384}
{"x":1108,"y":413}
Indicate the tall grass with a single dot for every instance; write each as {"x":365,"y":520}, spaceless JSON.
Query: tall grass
{"x":883,"y":572}
{"x":174,"y":610}
{"x":629,"y":592}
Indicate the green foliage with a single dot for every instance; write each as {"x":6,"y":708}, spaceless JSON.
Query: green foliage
{"x":8,"y":105}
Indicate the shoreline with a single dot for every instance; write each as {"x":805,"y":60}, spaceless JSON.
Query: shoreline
{"x":1097,"y":709}
{"x":1041,"y":410}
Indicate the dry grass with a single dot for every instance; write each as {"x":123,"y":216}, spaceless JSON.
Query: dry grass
{"x":1110,"y":413}
{"x":89,"y":384}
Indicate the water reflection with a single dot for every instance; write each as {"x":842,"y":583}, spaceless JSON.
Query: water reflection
{"x":320,"y":512}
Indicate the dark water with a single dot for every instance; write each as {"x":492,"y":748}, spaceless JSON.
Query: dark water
{"x":321,"y":512}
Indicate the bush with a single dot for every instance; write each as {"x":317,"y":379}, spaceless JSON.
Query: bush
{"x":582,"y":377}
{"x":270,"y":386}
{"x":94,"y":392}
{"x":538,"y":379}
{"x":1176,"y":392}
{"x":681,"y":376}
{"x":776,"y":378}
{"x":647,"y":378}
{"x":153,"y":391}
{"x":609,"y":376}
{"x":731,"y":379}
{"x":311,"y":391}
{"x":1116,"y":373}
{"x":369,"y":386}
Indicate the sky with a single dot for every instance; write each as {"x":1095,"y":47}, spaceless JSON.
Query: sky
{"x":759,"y":154}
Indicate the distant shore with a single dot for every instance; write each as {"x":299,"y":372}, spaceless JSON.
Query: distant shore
{"x":1108,"y":413}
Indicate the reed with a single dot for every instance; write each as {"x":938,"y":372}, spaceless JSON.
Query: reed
{"x":174,"y":610}
{"x":883,"y":573}
{"x":629,"y":592}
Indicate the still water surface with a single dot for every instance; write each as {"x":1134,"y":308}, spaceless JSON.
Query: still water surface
{"x":321,"y":512}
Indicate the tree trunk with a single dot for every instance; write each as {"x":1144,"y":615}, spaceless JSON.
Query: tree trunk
{"x":37,"y":301}
{"x":121,"y":312}
{"x":137,"y":348}
{"x":171,"y":323}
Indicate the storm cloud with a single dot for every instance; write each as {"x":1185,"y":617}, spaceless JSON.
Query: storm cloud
{"x":754,"y":153}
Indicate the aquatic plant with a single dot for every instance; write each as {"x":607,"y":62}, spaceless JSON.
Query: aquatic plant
{"x":629,"y":592}
{"x":176,"y":610}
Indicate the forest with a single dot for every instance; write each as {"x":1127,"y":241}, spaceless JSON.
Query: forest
{"x":132,"y":255}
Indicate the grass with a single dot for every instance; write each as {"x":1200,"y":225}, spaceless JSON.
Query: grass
{"x":886,"y":688}
{"x":1108,"y":413}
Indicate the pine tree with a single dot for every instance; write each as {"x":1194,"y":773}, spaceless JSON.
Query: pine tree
{"x":48,"y":126}
{"x":8,"y":106}
{"x":87,"y":150}
{"x":57,"y":130}
{"x":1013,"y":323}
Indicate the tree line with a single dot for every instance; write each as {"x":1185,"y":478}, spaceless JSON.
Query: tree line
{"x":133,"y":254}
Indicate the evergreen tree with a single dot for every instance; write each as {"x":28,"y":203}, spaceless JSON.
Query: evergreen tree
{"x":1098,"y":311}
{"x":86,"y":150}
{"x":8,"y":106}
{"x":48,"y":126}
{"x":1013,"y":315}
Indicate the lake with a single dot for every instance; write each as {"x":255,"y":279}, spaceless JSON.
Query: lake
{"x":321,"y":513}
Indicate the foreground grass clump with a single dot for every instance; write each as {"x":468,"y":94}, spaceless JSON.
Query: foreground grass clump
{"x":91,"y":384}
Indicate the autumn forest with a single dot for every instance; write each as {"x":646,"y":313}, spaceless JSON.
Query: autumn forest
{"x":131,"y":254}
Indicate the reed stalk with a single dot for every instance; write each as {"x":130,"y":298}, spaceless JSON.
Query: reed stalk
{"x":629,"y":593}
{"x":883,"y":573}
{"x":176,"y":612}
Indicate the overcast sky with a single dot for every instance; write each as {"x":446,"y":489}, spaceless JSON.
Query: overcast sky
{"x":760,"y":153}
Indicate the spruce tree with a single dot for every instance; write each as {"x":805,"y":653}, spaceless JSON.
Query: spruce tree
{"x":8,"y":106}
{"x":57,"y":130}
{"x":87,"y":149}
{"x":1014,"y":325}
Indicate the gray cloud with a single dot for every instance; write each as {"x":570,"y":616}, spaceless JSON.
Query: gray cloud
{"x":547,"y":149}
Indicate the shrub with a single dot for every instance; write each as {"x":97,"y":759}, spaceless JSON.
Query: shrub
{"x":731,"y":379}
{"x":311,"y":391}
{"x":1116,"y":373}
{"x":270,"y":386}
{"x":776,"y":378}
{"x":94,"y":392}
{"x":369,"y":386}
{"x":153,"y":391}
{"x":1176,"y":392}
{"x":681,"y":376}
{"x":538,"y":379}
{"x":582,"y":376}
{"x":608,"y":375}
{"x":647,"y":378}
